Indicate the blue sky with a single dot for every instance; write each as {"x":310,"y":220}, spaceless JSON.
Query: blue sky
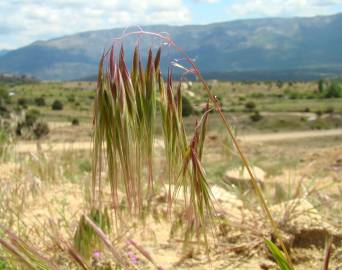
{"x":207,"y":11}
{"x":25,"y":21}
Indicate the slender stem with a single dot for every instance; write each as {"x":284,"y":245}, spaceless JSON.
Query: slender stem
{"x":243,"y":158}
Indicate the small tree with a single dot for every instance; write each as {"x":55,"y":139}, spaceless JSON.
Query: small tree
{"x":75,"y":122}
{"x":256,"y":116}
{"x":321,"y":86}
{"x":57,"y":105}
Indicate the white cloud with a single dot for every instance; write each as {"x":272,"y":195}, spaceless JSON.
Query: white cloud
{"x":327,"y":2}
{"x":270,"y":8}
{"x":24,"y":21}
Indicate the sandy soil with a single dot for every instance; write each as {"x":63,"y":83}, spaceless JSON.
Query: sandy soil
{"x":64,"y":202}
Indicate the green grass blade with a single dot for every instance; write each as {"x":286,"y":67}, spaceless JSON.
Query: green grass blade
{"x":278,"y":256}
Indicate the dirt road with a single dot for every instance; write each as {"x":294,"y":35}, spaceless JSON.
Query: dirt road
{"x":290,"y":135}
{"x":23,"y":147}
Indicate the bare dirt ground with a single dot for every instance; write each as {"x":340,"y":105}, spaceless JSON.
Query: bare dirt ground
{"x":290,"y":135}
{"x":234,"y":248}
{"x":24,"y":147}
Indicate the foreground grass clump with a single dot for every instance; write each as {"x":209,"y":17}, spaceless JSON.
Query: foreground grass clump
{"x":124,"y":121}
{"x":85,"y":238}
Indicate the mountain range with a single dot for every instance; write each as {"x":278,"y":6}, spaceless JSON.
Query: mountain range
{"x":269,"y":48}
{"x":3,"y":52}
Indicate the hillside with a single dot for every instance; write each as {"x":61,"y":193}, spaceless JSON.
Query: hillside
{"x":272,"y":48}
{"x":3,"y":52}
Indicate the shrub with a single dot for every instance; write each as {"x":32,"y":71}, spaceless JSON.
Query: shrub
{"x":75,"y":122}
{"x":57,"y":105}
{"x":279,"y":84}
{"x":294,"y":95}
{"x":250,"y":105}
{"x":40,"y":101}
{"x":31,"y":117}
{"x":36,"y":131}
{"x":4,"y":97}
{"x":306,"y":109}
{"x":20,"y":129}
{"x":40,"y":129}
{"x":22,"y":102}
{"x":3,"y":93}
{"x":30,"y":127}
{"x":187,"y":108}
{"x":71,"y":98}
{"x":319,"y":113}
{"x":321,"y":86}
{"x":311,"y":96}
{"x":256,"y":116}
{"x":333,"y":91}
{"x":4,"y":112}
{"x":257,"y":95}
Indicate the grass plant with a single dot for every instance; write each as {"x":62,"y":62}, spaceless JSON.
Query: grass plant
{"x":116,"y":103}
{"x":124,"y":121}
{"x":24,"y":254}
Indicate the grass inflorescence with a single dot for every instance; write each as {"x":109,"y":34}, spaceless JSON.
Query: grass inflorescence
{"x":124,"y":122}
{"x":110,"y":82}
